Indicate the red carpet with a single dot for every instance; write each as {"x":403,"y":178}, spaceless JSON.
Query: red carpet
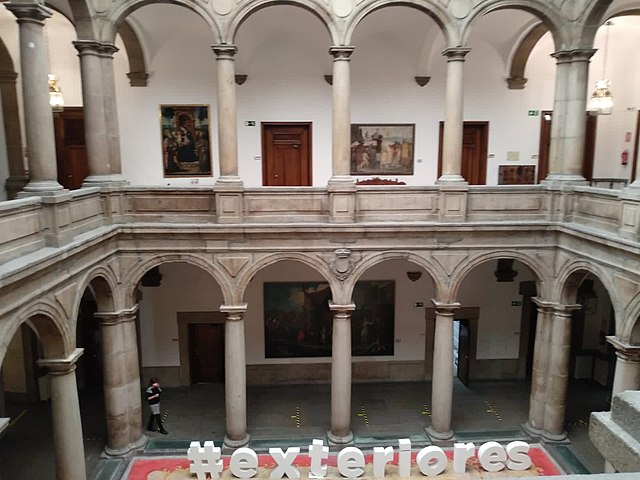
{"x":178,"y":468}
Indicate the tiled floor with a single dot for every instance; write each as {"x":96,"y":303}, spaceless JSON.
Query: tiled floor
{"x":380,"y":413}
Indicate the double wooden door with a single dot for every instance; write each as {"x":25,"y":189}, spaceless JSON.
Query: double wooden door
{"x":286,"y":154}
{"x":206,"y":352}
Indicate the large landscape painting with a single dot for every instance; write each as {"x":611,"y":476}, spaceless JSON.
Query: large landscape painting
{"x":298,"y":322}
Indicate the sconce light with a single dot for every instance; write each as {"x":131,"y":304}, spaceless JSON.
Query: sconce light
{"x":414,"y":276}
{"x":601,"y":101}
{"x":56,"y":100}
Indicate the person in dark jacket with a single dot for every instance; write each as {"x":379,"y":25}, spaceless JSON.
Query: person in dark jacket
{"x":153,"y":399}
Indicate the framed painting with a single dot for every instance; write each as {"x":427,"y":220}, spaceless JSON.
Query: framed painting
{"x":298,"y":322}
{"x":382,"y":149}
{"x":185,"y":140}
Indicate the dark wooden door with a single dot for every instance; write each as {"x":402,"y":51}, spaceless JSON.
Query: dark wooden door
{"x":286,"y":154}
{"x":464,"y":347}
{"x":545,"y":145}
{"x":634,"y":165}
{"x":206,"y":352}
{"x":475,"y":141}
{"x":71,"y":151}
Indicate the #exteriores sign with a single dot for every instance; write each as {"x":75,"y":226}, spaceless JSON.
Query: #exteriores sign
{"x":431,"y":460}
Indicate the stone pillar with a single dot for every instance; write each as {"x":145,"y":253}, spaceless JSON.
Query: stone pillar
{"x":442,"y":383}
{"x":229,"y":187}
{"x":122,"y":387}
{"x":235,"y":368}
{"x":17,"y":175}
{"x":38,"y":117}
{"x":627,"y":376}
{"x":341,"y":186}
{"x":95,"y":125}
{"x":568,"y":129}
{"x":65,"y":415}
{"x":453,"y":124}
{"x":340,"y":433}
{"x":540,"y":368}
{"x":111,"y":113}
{"x":558,"y":372}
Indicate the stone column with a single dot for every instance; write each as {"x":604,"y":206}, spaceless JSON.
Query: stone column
{"x":540,"y":368}
{"x":17,"y":175}
{"x":627,"y":376}
{"x":95,"y":125}
{"x":568,"y":129}
{"x":111,"y":113}
{"x":38,"y":117}
{"x":235,"y":369}
{"x":558,"y":372}
{"x":453,"y":124}
{"x":65,"y":414}
{"x":122,"y":387}
{"x":340,"y":433}
{"x":341,"y":186}
{"x":442,"y":383}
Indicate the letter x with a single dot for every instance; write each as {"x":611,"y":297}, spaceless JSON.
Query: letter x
{"x":285,"y":463}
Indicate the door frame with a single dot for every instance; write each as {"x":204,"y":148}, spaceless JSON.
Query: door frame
{"x":634,"y":166}
{"x":185,"y":319}
{"x":265,"y":125}
{"x":484,"y":146}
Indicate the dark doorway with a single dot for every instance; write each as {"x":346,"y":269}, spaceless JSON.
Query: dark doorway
{"x":475,"y":141}
{"x":545,"y":144}
{"x":71,"y":150}
{"x":206,"y":351}
{"x":286,"y":154}
{"x":462,"y":353}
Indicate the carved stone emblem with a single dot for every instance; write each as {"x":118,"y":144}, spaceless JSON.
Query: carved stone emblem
{"x":342,"y":264}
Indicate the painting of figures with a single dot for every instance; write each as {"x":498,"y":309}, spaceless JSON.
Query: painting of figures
{"x":381,"y":149}
{"x":298,"y":322}
{"x":185,"y":140}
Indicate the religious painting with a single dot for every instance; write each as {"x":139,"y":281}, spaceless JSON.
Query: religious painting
{"x":382,"y":149}
{"x":186,"y":145}
{"x":298,"y":322}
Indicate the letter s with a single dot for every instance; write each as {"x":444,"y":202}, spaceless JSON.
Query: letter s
{"x":518,"y":456}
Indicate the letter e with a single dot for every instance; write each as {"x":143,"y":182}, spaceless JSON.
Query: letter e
{"x":492,"y":456}
{"x":351,"y":462}
{"x":244,"y":463}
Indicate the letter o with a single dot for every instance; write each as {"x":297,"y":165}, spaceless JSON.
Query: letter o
{"x":431,"y":461}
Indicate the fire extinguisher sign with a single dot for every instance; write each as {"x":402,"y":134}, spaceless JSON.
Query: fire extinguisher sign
{"x":625,"y":157}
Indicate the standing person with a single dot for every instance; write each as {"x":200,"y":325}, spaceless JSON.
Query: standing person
{"x":153,"y":399}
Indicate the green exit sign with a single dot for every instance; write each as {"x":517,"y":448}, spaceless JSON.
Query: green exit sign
{"x":250,"y":123}
{"x":534,"y":113}
{"x":516,"y":303}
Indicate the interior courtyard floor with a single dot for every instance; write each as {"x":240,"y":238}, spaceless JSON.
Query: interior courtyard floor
{"x":291,"y":415}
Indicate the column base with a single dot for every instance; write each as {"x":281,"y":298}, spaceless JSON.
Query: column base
{"x":558,"y":180}
{"x":15,"y":184}
{"x":103,"y":180}
{"x":132,"y":447}
{"x":532,"y":431}
{"x":42,"y":188}
{"x":229,"y":199}
{"x":229,"y":445}
{"x":439,"y":436}
{"x":339,"y":440}
{"x":342,"y":199}
{"x":229,"y":181}
{"x":554,"y":437}
{"x":632,"y":192}
{"x":452,"y":179}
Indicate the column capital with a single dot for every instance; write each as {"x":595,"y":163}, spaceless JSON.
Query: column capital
{"x":574,"y":55}
{"x":625,"y":351}
{"x":543,"y":305}
{"x":29,"y":12}
{"x":341,"y":52}
{"x":115,"y":318}
{"x":337,"y":308}
{"x":456,"y":54}
{"x":234,"y":312}
{"x":108,"y":49}
{"x":62,"y":366}
{"x":565,"y":310}
{"x":224,"y":51}
{"x":445,"y":308}
{"x":87,"y":47}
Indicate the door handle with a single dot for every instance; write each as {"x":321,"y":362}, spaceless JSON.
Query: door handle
{"x":295,"y":146}
{"x":275,"y":176}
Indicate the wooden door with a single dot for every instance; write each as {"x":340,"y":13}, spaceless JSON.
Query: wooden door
{"x":545,"y":145}
{"x":464,"y":350}
{"x":206,"y":352}
{"x":286,"y":154}
{"x":475,"y":141}
{"x":634,"y":166}
{"x":71,"y":151}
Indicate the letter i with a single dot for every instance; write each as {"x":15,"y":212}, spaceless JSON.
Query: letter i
{"x":404,"y":457}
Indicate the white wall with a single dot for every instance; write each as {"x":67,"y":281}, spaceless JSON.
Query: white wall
{"x":283,"y":50}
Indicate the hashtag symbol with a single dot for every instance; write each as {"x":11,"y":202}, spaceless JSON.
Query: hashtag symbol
{"x":204,"y":460}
